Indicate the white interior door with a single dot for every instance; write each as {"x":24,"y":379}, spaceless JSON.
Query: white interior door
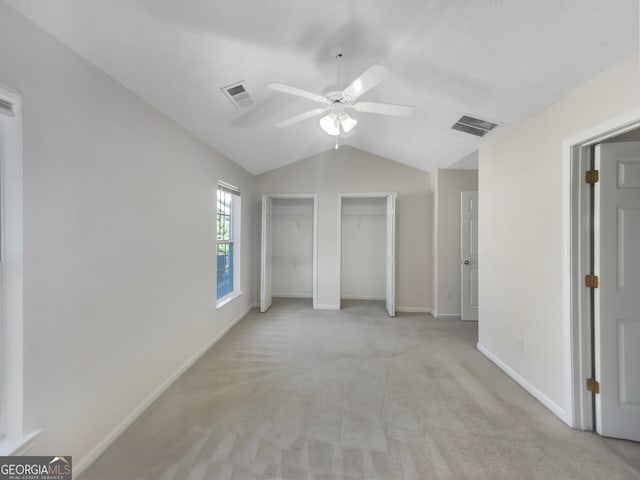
{"x":469,"y":255}
{"x":617,"y":298}
{"x":391,"y":255}
{"x":266,"y":256}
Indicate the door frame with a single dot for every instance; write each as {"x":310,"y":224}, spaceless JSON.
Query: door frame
{"x":295,"y":196}
{"x":265,"y":224}
{"x":577,"y":159}
{"x":339,"y":249}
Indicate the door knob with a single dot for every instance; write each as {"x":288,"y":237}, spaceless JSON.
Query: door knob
{"x":466,"y":262}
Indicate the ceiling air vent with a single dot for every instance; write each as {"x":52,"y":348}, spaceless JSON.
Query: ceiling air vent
{"x":474,"y":126}
{"x":6,"y":107}
{"x":239,"y":95}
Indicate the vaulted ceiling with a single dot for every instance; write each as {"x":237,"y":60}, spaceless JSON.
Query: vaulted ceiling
{"x":502,"y":60}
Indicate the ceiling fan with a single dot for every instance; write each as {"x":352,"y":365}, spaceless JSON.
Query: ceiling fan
{"x":335,"y":102}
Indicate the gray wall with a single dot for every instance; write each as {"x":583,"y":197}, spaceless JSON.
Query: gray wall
{"x":119,"y":242}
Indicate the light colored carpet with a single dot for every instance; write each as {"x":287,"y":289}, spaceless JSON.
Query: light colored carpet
{"x":303,"y":394}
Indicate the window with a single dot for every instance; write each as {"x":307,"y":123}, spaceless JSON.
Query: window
{"x":13,"y":439}
{"x":228,"y":243}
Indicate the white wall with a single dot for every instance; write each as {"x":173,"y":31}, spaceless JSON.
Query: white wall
{"x":292,"y":248}
{"x":363,"y":257}
{"x":349,"y":170}
{"x":521,"y":232}
{"x":119,"y":235}
{"x":448,"y":186}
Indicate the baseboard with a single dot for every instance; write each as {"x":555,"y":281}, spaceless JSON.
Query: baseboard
{"x":446,"y":315}
{"x":537,"y":394}
{"x":290,"y":295}
{"x":327,"y":307}
{"x":96,"y":451}
{"x":413,"y":310}
{"x":361,"y":297}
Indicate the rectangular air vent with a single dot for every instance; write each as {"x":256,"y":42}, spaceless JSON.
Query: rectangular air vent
{"x":239,"y":95}
{"x":6,"y":107}
{"x":474,"y":126}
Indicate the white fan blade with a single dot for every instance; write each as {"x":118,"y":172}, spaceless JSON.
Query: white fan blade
{"x":280,"y":87}
{"x":365,"y":82}
{"x":384,"y":108}
{"x":302,"y":116}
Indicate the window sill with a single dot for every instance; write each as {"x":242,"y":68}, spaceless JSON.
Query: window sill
{"x":227,"y":299}
{"x":17,"y":445}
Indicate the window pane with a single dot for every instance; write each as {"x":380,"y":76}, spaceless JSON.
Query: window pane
{"x":224,"y":214}
{"x":224,"y":227}
{"x":225,"y":269}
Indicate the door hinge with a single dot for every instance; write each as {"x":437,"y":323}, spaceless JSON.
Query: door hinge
{"x":592,"y":176}
{"x":591,"y":281}
{"x":593,"y":385}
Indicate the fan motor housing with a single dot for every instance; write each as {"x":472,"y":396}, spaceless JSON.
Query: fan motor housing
{"x":334,"y":90}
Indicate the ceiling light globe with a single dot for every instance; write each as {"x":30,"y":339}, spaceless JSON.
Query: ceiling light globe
{"x":329,"y":123}
{"x":347,"y":122}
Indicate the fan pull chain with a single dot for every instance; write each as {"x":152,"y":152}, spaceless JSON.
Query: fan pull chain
{"x":338,"y":59}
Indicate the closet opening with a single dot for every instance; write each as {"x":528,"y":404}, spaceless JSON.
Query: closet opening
{"x":367,"y":248}
{"x":289,"y":249}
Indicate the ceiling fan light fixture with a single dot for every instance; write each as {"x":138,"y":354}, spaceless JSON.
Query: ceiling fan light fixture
{"x":330,"y":124}
{"x":347,"y":122}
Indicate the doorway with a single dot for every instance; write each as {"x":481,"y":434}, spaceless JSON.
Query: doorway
{"x":288,"y":248}
{"x":604,"y":323}
{"x":366,"y":253}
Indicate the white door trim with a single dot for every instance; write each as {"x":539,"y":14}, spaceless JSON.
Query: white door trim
{"x":390,"y":255}
{"x":314,"y":197}
{"x":339,"y":249}
{"x":266,"y":297}
{"x":576,"y":158}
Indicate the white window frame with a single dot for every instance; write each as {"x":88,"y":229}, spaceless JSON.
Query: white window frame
{"x":236,"y":240}
{"x":13,"y":439}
